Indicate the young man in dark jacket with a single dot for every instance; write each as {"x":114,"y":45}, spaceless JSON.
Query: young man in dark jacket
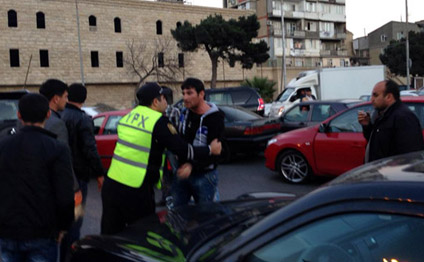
{"x":200,"y":123}
{"x":36,"y":187}
{"x":392,"y":129}
{"x":85,"y":158}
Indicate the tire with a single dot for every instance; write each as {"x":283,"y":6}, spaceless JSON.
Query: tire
{"x":293,"y":167}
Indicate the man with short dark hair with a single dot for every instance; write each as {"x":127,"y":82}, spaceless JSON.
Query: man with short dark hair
{"x":393,"y":128}
{"x":138,"y":159}
{"x":200,"y":123}
{"x":56,"y":93}
{"x":85,"y":158}
{"x":36,"y":187}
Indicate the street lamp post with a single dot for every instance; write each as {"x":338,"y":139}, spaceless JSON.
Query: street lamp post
{"x":79,"y":44}
{"x":408,"y":80}
{"x":283,"y":38}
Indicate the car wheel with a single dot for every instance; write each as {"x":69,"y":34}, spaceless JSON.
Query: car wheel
{"x":293,"y":167}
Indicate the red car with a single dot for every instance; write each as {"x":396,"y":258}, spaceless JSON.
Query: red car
{"x":329,"y":149}
{"x":106,"y":134}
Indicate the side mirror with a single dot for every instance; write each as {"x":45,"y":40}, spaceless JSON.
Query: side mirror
{"x":323,"y":128}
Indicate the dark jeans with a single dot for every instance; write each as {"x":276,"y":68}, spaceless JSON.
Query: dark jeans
{"x":203,"y":188}
{"x":73,"y":233}
{"x":36,"y":250}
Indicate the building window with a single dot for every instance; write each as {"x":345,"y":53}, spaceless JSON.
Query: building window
{"x":92,"y":23}
{"x":383,"y":38}
{"x":119,"y":59}
{"x":41,"y":23}
{"x":44,"y":58}
{"x":178,"y":24}
{"x":181,"y":60}
{"x":160,"y":60}
{"x":158,"y":27}
{"x":399,"y":35}
{"x":94,"y":59}
{"x":14,"y":57}
{"x":117,"y":23}
{"x":12,"y":18}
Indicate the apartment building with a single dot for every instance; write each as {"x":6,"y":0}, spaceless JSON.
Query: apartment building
{"x":315,"y":30}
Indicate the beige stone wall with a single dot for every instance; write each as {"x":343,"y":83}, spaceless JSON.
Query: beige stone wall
{"x":60,"y":38}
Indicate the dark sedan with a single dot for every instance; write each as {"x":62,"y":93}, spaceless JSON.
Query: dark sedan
{"x":245,"y":131}
{"x":372,"y":213}
{"x":313,"y":112}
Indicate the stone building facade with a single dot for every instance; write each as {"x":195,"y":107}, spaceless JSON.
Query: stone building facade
{"x":39,"y":40}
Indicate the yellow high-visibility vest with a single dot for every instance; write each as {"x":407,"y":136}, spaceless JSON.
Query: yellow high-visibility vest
{"x":132,"y":151}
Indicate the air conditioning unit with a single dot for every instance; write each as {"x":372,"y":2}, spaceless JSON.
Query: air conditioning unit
{"x":268,"y":22}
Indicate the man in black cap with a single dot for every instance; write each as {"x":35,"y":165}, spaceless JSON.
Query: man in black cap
{"x":85,"y":158}
{"x":137,"y":163}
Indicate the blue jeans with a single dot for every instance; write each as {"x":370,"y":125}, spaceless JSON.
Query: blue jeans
{"x":203,"y":188}
{"x":36,"y":250}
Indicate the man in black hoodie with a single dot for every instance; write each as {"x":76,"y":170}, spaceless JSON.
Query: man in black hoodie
{"x":36,"y":187}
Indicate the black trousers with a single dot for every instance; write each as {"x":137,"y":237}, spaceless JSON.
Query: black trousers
{"x":123,"y":205}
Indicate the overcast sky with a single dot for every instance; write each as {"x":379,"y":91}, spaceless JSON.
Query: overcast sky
{"x":363,"y":15}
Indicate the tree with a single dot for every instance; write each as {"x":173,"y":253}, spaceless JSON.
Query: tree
{"x":394,"y":56}
{"x":264,"y":86}
{"x":160,"y":62}
{"x":229,"y":40}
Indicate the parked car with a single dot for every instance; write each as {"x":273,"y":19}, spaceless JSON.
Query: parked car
{"x":313,"y":112}
{"x":8,"y":110}
{"x":409,"y":93}
{"x":365,"y":97}
{"x":245,"y":131}
{"x":373,"y":213}
{"x":243,"y":96}
{"x":97,"y":109}
{"x":329,"y":149}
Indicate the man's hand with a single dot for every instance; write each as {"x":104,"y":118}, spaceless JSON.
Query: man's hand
{"x":363,"y":118}
{"x":100,"y":180}
{"x":60,"y":236}
{"x":184,"y":171}
{"x":215,"y":147}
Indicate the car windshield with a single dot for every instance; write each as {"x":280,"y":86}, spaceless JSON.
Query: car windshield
{"x":285,"y":94}
{"x":8,"y":109}
{"x":238,"y":114}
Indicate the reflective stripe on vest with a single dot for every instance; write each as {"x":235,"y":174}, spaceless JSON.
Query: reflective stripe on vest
{"x":132,"y":151}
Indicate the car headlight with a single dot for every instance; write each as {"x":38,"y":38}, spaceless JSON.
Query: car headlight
{"x":271,"y":141}
{"x":280,"y":111}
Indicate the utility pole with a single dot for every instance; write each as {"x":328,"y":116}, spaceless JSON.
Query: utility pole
{"x":283,"y":38}
{"x":408,"y":80}
{"x":79,"y":44}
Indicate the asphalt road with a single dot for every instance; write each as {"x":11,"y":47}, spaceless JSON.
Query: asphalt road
{"x":243,"y":175}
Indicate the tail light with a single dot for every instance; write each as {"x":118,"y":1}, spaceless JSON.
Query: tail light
{"x":261,"y":105}
{"x":249,"y":131}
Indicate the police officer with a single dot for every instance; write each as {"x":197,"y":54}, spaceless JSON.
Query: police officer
{"x":137,"y":164}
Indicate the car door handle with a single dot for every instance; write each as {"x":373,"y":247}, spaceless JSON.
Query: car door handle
{"x":357,"y":145}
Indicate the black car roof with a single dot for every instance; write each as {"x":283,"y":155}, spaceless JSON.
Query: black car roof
{"x":13,"y":94}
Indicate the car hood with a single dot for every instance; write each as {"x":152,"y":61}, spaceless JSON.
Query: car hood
{"x":301,"y":132}
{"x":181,"y":231}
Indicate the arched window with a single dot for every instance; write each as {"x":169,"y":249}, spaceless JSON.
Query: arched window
{"x":158,"y":27}
{"x":92,"y":21}
{"x":41,"y":23}
{"x":178,"y":24}
{"x":117,"y":23}
{"x":12,"y":18}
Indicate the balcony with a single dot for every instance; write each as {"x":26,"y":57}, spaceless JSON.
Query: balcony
{"x":294,"y":14}
{"x":341,"y":35}
{"x":311,"y":34}
{"x":333,"y":52}
{"x":296,"y":34}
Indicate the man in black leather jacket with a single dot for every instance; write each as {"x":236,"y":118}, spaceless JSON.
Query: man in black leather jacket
{"x":392,"y":129}
{"x":36,"y":187}
{"x":85,"y":158}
